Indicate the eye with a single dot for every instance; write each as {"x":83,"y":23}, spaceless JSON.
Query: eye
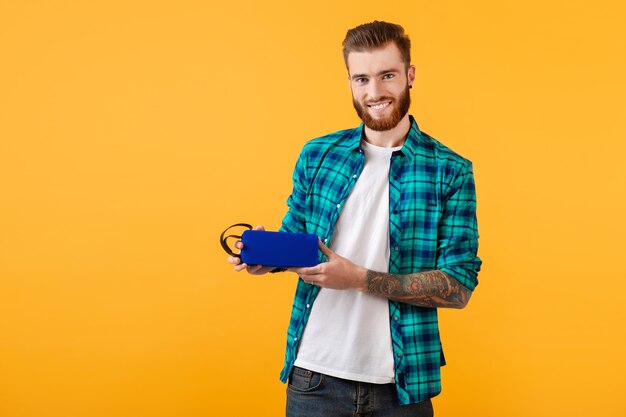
{"x":360,"y":80}
{"x":388,"y":76}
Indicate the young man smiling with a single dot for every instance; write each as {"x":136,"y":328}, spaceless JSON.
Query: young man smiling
{"x":395,"y":211}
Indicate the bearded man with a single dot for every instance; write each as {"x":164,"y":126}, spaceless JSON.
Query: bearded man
{"x":395,"y":211}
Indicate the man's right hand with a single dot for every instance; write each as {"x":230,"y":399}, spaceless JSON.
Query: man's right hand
{"x":252,"y":269}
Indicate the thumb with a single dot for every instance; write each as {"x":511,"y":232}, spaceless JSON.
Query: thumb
{"x":329,"y":253}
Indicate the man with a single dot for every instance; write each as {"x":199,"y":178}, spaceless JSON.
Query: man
{"x":395,"y":211}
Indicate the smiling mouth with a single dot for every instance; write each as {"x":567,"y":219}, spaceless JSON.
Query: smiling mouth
{"x":379,"y":106}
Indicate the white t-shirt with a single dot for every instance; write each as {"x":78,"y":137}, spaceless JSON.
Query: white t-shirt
{"x":347,"y":335}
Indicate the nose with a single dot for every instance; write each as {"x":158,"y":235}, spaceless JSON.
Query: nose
{"x":375,"y":89}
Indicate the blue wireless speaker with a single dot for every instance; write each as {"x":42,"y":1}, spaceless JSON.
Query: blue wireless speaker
{"x":279,"y":249}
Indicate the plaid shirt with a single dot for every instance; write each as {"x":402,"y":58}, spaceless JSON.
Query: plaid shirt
{"x":432,"y":225}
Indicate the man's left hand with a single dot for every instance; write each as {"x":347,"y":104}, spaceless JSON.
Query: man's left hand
{"x":337,"y":272}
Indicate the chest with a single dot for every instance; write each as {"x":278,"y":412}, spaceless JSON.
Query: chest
{"x":413,"y":199}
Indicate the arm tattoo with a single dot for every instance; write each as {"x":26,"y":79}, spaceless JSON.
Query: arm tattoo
{"x":423,"y":289}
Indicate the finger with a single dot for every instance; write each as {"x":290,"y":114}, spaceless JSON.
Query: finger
{"x":259,"y":227}
{"x":313,"y":270}
{"x":239,"y":244}
{"x":234,"y":260}
{"x":241,"y":267}
{"x":254,"y":268}
{"x":329,"y":253}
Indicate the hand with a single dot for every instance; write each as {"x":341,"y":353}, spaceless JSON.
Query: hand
{"x":252,"y":269}
{"x":337,"y":273}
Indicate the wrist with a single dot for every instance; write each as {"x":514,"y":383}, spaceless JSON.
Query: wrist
{"x":361,"y":278}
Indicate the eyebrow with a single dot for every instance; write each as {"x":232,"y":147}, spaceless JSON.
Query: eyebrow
{"x":379,"y":73}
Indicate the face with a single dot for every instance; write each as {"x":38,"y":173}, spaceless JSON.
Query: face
{"x":380,"y":83}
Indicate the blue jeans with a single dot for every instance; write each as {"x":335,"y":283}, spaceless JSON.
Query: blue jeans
{"x":311,"y":394}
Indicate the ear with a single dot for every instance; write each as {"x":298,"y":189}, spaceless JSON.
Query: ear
{"x":411,"y":75}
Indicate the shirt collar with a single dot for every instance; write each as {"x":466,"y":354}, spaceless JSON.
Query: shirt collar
{"x":410,"y":146}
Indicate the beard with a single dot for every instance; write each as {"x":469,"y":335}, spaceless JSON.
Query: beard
{"x":389,"y":122}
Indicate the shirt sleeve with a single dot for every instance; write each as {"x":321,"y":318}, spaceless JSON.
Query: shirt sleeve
{"x":295,"y":220}
{"x":457,"y":243}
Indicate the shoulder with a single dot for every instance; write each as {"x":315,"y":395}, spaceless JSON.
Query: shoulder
{"x":335,"y":142}
{"x":338,"y":138}
{"x":445,"y":156}
{"x":453,"y":169}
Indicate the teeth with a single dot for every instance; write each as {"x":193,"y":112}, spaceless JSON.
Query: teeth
{"x":379,"y":106}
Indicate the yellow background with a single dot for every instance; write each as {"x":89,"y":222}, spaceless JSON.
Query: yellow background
{"x":133,"y":132}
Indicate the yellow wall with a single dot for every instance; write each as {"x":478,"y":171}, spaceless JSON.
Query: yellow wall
{"x":133,"y":132}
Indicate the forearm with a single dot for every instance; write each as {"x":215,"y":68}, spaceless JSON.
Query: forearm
{"x":434,"y":289}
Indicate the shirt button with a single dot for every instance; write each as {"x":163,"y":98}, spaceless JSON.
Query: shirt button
{"x":309,"y":305}
{"x":326,"y":240}
{"x":396,"y":248}
{"x":338,"y":205}
{"x":395,"y":318}
{"x":400,"y":354}
{"x":354,"y":176}
{"x":295,"y":339}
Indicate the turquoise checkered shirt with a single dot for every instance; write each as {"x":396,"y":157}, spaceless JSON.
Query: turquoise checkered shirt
{"x":432,"y":225}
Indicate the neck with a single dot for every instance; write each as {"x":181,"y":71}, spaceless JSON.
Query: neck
{"x":389,"y":138}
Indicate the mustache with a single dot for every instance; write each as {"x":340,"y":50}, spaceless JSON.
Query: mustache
{"x":377,"y":100}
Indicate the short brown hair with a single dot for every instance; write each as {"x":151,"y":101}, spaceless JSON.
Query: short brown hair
{"x":375,"y":35}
